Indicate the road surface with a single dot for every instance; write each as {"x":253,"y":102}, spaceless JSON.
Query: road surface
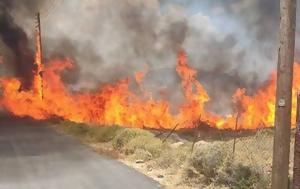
{"x":33,"y":156}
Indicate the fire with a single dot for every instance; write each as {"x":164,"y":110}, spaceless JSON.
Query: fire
{"x":115,"y":104}
{"x":139,"y":76}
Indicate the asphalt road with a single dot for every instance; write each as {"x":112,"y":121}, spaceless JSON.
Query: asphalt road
{"x":33,"y":156}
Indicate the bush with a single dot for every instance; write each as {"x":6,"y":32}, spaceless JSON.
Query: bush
{"x":239,"y":176}
{"x":208,"y":158}
{"x":145,"y":142}
{"x":126,"y":135}
{"x":213,"y":161}
{"x":103,"y":134}
{"x":77,"y":129}
{"x":141,"y":154}
{"x":173,"y":157}
{"x":93,"y":133}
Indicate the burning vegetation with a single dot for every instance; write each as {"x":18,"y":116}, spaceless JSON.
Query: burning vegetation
{"x":116,"y":104}
{"x":39,"y":91}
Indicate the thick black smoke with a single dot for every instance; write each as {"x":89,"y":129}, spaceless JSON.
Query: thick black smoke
{"x":16,"y":40}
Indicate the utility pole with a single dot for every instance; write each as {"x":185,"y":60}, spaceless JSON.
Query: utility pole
{"x":296,"y":176}
{"x":283,"y":103}
{"x":38,"y":77}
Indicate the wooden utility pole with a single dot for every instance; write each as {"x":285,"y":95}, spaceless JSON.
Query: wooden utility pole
{"x":296,"y":176}
{"x":283,"y":105}
{"x":38,"y":77}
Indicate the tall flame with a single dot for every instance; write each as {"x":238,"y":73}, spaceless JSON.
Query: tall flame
{"x":115,"y":104}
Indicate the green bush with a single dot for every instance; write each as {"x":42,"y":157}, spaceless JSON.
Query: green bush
{"x":103,"y":134}
{"x":145,"y":142}
{"x":213,"y":161}
{"x":77,"y":129}
{"x":208,"y":158}
{"x":141,"y":154}
{"x":239,"y":176}
{"x":173,"y":157}
{"x":93,"y":133}
{"x":126,"y":135}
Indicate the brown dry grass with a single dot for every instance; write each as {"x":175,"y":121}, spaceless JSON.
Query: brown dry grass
{"x":210,"y":165}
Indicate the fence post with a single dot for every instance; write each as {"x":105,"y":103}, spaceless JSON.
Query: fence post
{"x":296,"y":174}
{"x":283,"y":102}
{"x":235,"y":132}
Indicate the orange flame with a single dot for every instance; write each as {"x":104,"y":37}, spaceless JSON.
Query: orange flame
{"x":139,"y":76}
{"x":115,"y":104}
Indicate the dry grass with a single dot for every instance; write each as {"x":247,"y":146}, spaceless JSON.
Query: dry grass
{"x":210,"y":165}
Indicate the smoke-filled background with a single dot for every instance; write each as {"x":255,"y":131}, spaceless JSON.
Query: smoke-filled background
{"x":232,"y":43}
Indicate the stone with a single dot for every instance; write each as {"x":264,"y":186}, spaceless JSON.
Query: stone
{"x":160,"y":176}
{"x":139,"y":161}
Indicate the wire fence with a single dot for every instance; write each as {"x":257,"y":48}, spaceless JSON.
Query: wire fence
{"x":255,"y":150}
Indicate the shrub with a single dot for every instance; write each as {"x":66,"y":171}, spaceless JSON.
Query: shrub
{"x":77,"y":129}
{"x":126,"y":135}
{"x":145,"y":142}
{"x":103,"y":134}
{"x":173,"y":157}
{"x":141,"y":154}
{"x":208,"y":158}
{"x":239,"y":176}
{"x":213,"y":161}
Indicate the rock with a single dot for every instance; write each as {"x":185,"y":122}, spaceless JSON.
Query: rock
{"x":177,"y":145}
{"x":160,"y":176}
{"x":139,"y":161}
{"x":149,"y":168}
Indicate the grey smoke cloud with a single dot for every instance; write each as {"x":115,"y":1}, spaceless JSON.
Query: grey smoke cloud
{"x":110,"y":40}
{"x":15,"y":40}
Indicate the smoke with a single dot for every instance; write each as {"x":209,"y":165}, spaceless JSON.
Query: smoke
{"x":16,"y":40}
{"x":232,"y":44}
{"x":243,"y":52}
{"x":16,"y":47}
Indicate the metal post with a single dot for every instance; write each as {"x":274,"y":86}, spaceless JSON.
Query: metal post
{"x":281,"y":148}
{"x":296,"y":176}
